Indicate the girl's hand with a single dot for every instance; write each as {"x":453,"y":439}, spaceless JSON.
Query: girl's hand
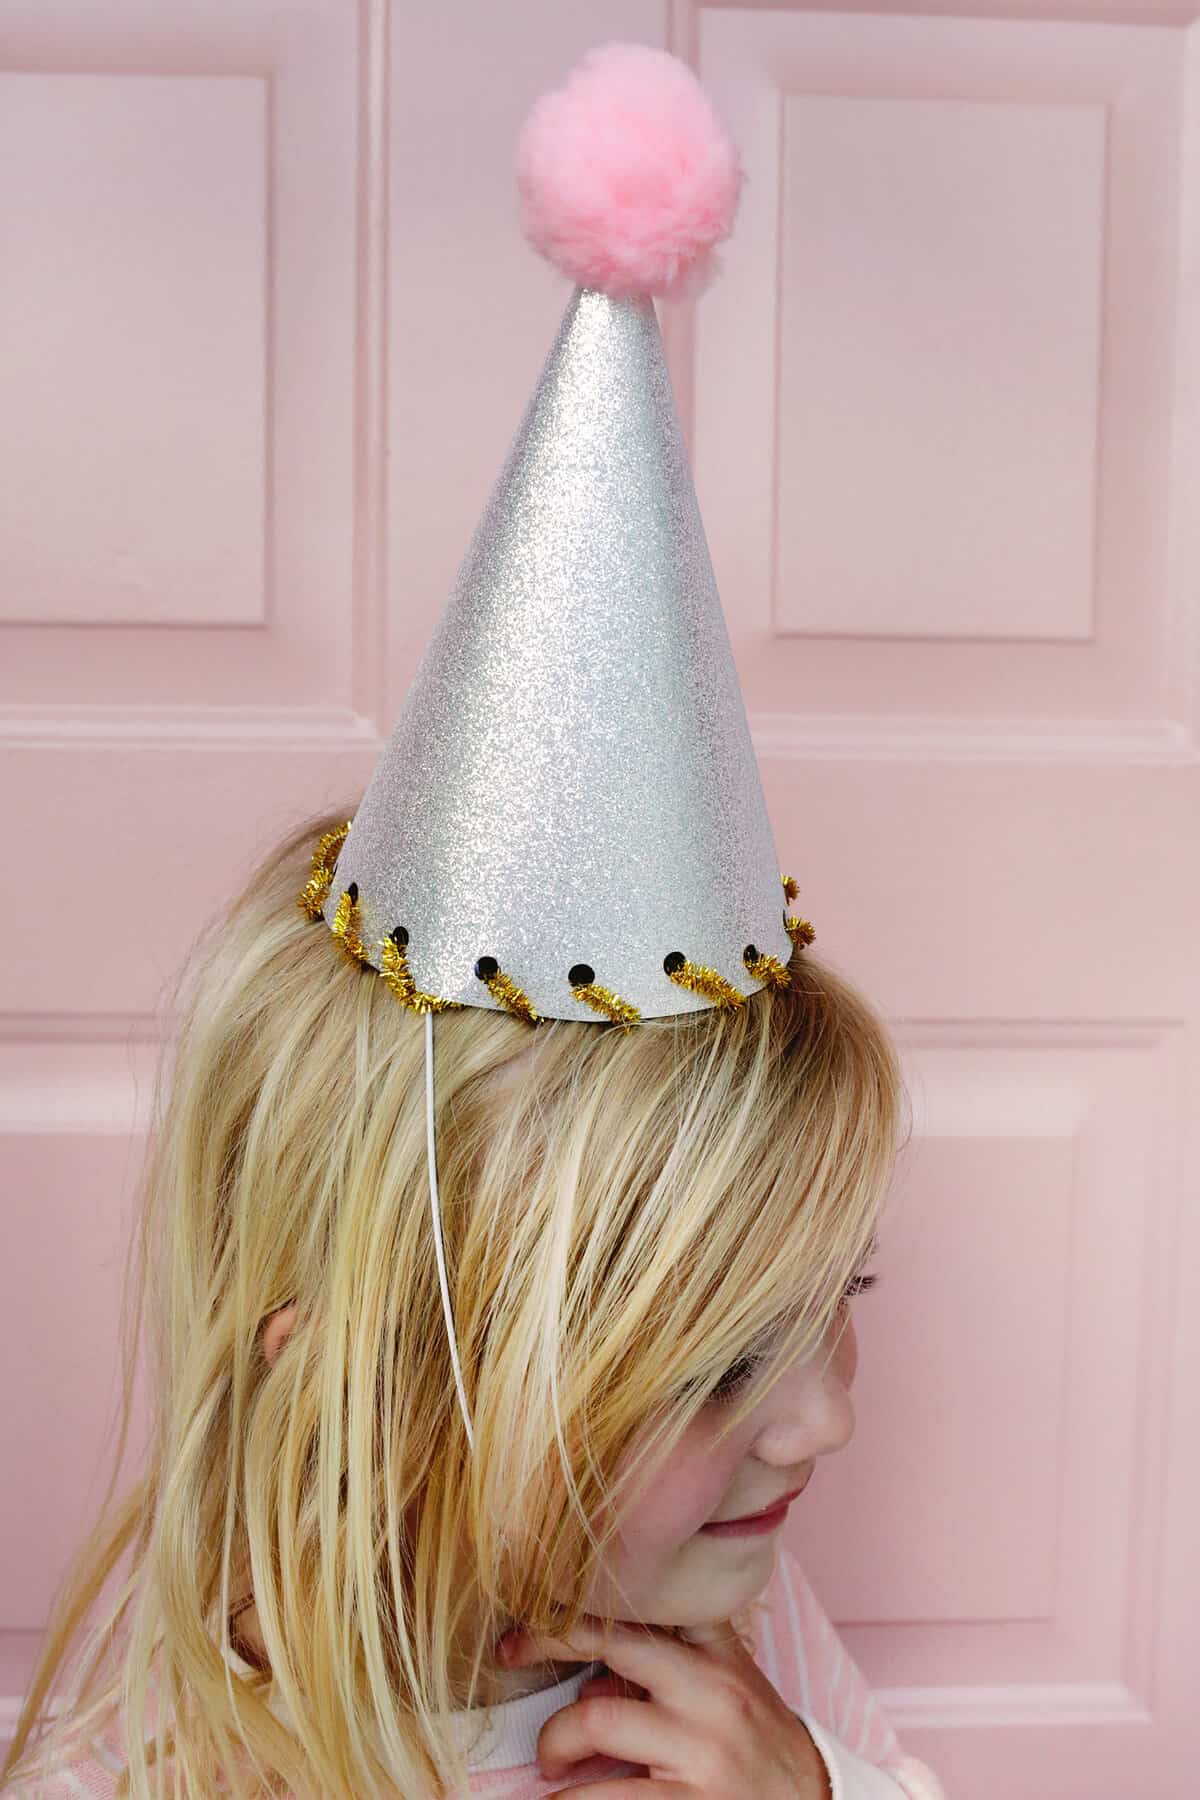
{"x":697,"y":1713}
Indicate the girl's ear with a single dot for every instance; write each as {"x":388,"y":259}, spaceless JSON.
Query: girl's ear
{"x":276,"y":1330}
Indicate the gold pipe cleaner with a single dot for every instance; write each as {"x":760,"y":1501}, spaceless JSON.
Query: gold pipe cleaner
{"x":398,"y":975}
{"x":702,"y":980}
{"x":347,"y":926}
{"x":603,"y":1000}
{"x":503,"y":988}
{"x":799,"y":930}
{"x":315,"y":891}
{"x":766,"y":968}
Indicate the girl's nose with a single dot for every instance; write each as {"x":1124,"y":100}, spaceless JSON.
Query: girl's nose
{"x":810,"y":1414}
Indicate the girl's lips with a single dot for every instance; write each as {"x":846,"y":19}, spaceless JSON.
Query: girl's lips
{"x":760,"y":1521}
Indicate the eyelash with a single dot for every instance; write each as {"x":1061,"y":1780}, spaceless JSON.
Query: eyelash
{"x":739,"y":1373}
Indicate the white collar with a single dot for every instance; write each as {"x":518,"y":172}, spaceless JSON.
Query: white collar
{"x":493,"y":1737}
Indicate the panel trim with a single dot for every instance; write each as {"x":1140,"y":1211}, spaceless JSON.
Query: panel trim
{"x":183,"y":727}
{"x":369,"y":577}
{"x":788,"y":737}
{"x":935,"y":738}
{"x":65,"y":1074}
{"x":1039,"y":1703}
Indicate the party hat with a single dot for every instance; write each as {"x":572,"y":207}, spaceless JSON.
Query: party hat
{"x":568,"y":820}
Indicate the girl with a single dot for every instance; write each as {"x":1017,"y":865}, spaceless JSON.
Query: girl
{"x":656,"y":1237}
{"x":389,"y":1437}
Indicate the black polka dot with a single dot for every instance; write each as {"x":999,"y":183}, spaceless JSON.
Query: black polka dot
{"x":749,"y":955}
{"x":399,"y":937}
{"x":674,"y":961}
{"x":352,"y":890}
{"x":581,"y":975}
{"x":486,"y":967}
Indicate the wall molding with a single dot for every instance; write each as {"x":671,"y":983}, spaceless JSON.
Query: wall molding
{"x":1012,"y":1704}
{"x":931,"y":738}
{"x":787,"y":737}
{"x":184,"y":727}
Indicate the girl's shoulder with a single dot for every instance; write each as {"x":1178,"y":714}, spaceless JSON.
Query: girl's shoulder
{"x":788,"y":1629}
{"x":796,"y":1644}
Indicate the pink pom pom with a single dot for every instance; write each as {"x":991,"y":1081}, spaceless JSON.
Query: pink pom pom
{"x":626,"y":175}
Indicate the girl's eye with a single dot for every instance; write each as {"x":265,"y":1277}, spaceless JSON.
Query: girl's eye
{"x":739,"y":1373}
{"x":735,"y":1377}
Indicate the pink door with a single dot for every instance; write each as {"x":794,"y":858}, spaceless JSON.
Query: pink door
{"x":266,"y":327}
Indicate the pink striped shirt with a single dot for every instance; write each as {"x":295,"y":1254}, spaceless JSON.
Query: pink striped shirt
{"x":793,"y":1643}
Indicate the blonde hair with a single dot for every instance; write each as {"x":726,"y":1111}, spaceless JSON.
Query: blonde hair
{"x":622,"y":1213}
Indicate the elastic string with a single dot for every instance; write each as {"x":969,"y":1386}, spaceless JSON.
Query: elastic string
{"x":437,"y":1226}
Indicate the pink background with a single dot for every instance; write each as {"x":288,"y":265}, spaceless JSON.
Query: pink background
{"x":266,"y":328}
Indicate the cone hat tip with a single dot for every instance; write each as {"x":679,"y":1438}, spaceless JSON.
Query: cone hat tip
{"x":627,"y":177}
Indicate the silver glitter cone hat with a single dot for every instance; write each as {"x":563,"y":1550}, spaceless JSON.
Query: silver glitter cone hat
{"x":568,"y":820}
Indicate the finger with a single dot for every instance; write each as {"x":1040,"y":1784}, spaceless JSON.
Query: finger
{"x":612,"y":1684}
{"x":648,"y":1654}
{"x":626,"y":1730}
{"x":633,"y":1788}
{"x":518,"y":1645}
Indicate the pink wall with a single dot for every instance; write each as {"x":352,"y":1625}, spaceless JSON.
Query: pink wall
{"x":267,"y":327}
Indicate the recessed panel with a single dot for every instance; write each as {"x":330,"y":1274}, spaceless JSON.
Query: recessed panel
{"x":939,"y":336}
{"x":64,"y":1216}
{"x":978,"y":1368}
{"x":1003,"y":555}
{"x":132,"y":309}
{"x":991,"y":1521}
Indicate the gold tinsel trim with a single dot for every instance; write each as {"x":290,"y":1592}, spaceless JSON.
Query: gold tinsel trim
{"x":398,"y":975}
{"x":347,"y":926}
{"x":790,"y":887}
{"x":799,"y":930}
{"x":315,"y":891}
{"x":502,"y":988}
{"x":768,"y":969}
{"x":603,"y":1000}
{"x":701,"y":980}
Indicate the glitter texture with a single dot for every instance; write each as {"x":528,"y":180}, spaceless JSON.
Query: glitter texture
{"x":571,"y":778}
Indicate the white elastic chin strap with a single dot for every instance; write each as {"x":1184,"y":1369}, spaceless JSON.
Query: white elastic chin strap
{"x":437,"y":1227}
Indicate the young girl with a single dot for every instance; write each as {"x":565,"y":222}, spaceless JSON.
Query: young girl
{"x":466,"y":1388}
{"x":656,"y":1239}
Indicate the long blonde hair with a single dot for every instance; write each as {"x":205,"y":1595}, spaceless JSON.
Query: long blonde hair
{"x":622,"y":1213}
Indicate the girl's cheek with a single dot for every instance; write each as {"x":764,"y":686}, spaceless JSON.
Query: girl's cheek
{"x":684,"y":1494}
